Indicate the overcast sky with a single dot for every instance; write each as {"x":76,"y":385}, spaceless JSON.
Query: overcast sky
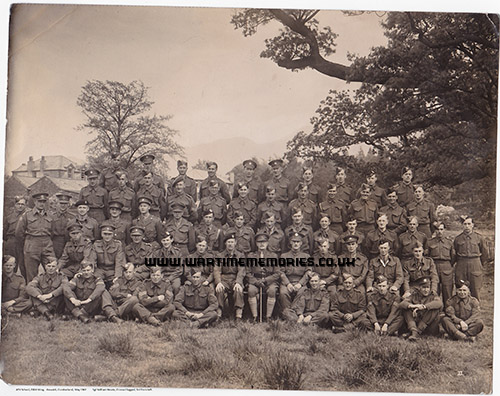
{"x":200,"y":70}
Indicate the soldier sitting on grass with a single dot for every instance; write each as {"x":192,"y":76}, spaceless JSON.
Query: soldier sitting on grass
{"x":85,"y":295}
{"x":463,"y":317}
{"x":157,"y":296}
{"x":14,"y":298}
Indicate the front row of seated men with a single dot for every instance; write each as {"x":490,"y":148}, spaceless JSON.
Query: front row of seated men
{"x":152,"y":301}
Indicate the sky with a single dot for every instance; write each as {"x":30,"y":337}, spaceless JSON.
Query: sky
{"x":200,"y":70}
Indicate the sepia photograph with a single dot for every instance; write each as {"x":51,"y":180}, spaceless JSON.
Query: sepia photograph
{"x":219,"y":197}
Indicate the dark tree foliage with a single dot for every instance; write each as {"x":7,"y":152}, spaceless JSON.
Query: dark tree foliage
{"x":428,"y":99}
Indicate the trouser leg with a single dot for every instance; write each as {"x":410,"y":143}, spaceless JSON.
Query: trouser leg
{"x":290,"y":315}
{"x":127,"y":307}
{"x":475,"y":328}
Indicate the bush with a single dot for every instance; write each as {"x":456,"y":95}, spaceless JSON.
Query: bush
{"x":119,"y":343}
{"x":284,"y":371}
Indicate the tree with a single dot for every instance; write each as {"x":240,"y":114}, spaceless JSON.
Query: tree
{"x":116,"y":115}
{"x":428,"y":99}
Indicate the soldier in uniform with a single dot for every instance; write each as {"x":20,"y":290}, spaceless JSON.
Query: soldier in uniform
{"x":109,"y":178}
{"x":157,"y":180}
{"x":152,"y":224}
{"x":196,"y":303}
{"x":96,"y":196}
{"x":201,"y":253}
{"x":385,"y":264}
{"x":137,"y":252}
{"x":189,"y":183}
{"x":326,"y":266}
{"x":312,"y":188}
{"x":351,"y":225}
{"x":242,"y":203}
{"x":360,"y":268}
{"x":11,"y":245}
{"x":154,"y":193}
{"x":14,"y":297}
{"x":417,"y":268}
{"x":344,"y":192}
{"x":307,"y":206}
{"x":293,"y":277}
{"x":215,"y":202}
{"x":408,"y":239}
{"x":182,"y":198}
{"x":61,"y":218}
{"x":46,"y":290}
{"x":364,"y":210}
{"x":463,"y":316}
{"x":424,"y":211}
{"x":405,"y":188}
{"x":157,"y":296}
{"x":421,"y":310}
{"x":245,"y":236}
{"x":277,"y":240}
{"x":282,"y":185}
{"x":90,"y":226}
{"x":126,"y":195}
{"x":381,"y":232}
{"x":34,"y":231}
{"x":77,"y":249}
{"x":383,"y":308}
{"x":299,"y":227}
{"x":173,"y":272}
{"x":348,"y":307}
{"x":228,"y":279}
{"x":110,"y":256}
{"x":212,"y":176}
{"x":441,"y":250}
{"x":471,"y":255}
{"x":261,"y":277}
{"x":335,"y":208}
{"x":325,"y":232}
{"x":396,"y":215}
{"x":181,"y":230}
{"x":125,"y":292}
{"x":253,"y":183}
{"x":213,"y":233}
{"x":311,"y":306}
{"x":377,"y":194}
{"x":121,"y":225}
{"x":85,"y":295}
{"x":272,"y":205}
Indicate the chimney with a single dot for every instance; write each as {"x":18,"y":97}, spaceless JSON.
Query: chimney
{"x":31,"y":165}
{"x":43,"y":165}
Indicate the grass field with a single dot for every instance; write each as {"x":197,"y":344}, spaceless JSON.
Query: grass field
{"x":274,"y":355}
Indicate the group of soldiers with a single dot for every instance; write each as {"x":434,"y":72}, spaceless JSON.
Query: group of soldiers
{"x":399,"y":276}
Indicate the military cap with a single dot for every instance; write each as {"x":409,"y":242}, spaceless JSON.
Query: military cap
{"x":339,"y":169}
{"x":41,"y":196}
{"x":106,"y":226}
{"x":87,"y":263}
{"x":268,"y":215}
{"x":371,"y":173}
{"x":296,"y":237}
{"x":81,"y":202}
{"x":381,"y":241}
{"x":92,"y":173}
{"x":115,"y":204}
{"x":351,"y":218}
{"x":459,"y":283}
{"x":136,"y":230}
{"x":63,"y":197}
{"x":120,"y":173}
{"x":114,"y":154}
{"x":365,"y":186}
{"x":210,"y":163}
{"x":296,"y":210}
{"x":207,"y":212}
{"x":177,"y":180}
{"x":351,"y":238}
{"x":72,"y":227}
{"x":213,"y":183}
{"x":301,"y":185}
{"x":424,"y":280}
{"x":331,"y":185}
{"x":347,"y":275}
{"x":270,"y":187}
{"x":201,"y":238}
{"x":261,"y":237}
{"x":380,"y":279}
{"x":278,"y":162}
{"x":18,"y":198}
{"x":228,"y":236}
{"x":177,"y":206}
{"x":405,"y":169}
{"x":147,"y":158}
{"x":181,"y":162}
{"x":145,"y":200}
{"x":465,"y":217}
{"x":166,"y":234}
{"x":50,"y":259}
{"x":241,"y":185}
{"x":250,"y":162}
{"x":238,"y":213}
{"x":392,"y":189}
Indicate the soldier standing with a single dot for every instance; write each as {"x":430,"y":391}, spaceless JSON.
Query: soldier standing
{"x":121,"y":225}
{"x":242,"y":203}
{"x":282,"y":185}
{"x":96,"y":196}
{"x":124,"y":194}
{"x":109,"y":177}
{"x":182,"y":198}
{"x":396,"y":215}
{"x":277,"y":240}
{"x":251,"y":181}
{"x":11,"y":245}
{"x":307,"y":206}
{"x":189,"y":183}
{"x":90,"y":226}
{"x":137,"y":251}
{"x":213,"y":201}
{"x":364,"y":210}
{"x":110,"y":256}
{"x":212,"y":176}
{"x":272,"y":205}
{"x":61,"y":218}
{"x":424,"y":211}
{"x":335,"y":208}
{"x":441,"y":250}
{"x":154,"y":193}
{"x":152,"y":225}
{"x":157,"y":180}
{"x":405,"y":189}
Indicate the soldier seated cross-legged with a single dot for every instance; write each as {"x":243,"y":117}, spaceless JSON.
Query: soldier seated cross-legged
{"x":157,"y":296}
{"x":14,"y":297}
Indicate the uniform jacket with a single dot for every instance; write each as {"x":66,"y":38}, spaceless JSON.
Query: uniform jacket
{"x":196,"y":298}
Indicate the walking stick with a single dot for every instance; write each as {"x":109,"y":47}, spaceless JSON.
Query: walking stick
{"x":260,"y":304}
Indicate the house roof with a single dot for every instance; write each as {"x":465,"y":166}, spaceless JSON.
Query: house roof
{"x":53,"y":162}
{"x":25,"y":180}
{"x":73,"y":185}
